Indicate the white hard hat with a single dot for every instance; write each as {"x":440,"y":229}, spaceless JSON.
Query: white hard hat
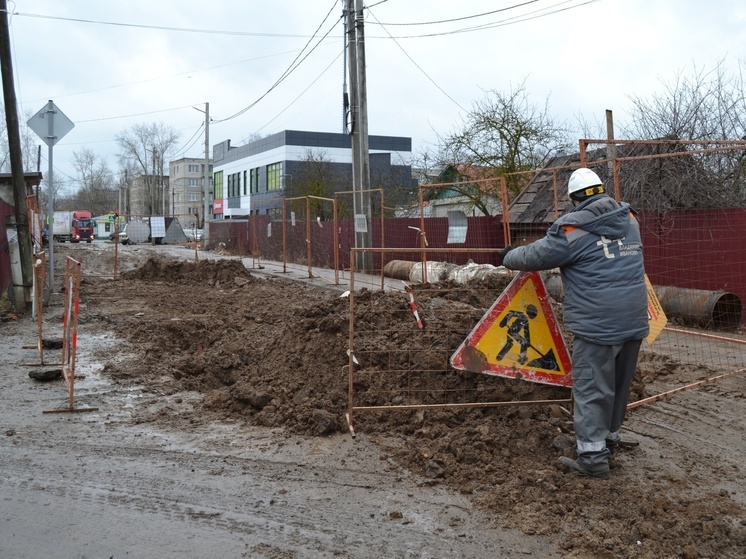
{"x":582,"y":179}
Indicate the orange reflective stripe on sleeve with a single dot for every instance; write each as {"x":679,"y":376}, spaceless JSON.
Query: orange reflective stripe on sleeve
{"x":573,"y":233}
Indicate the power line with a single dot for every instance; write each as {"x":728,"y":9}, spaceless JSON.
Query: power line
{"x":299,"y":96}
{"x":457,"y":18}
{"x":301,"y":57}
{"x":191,"y":141}
{"x":137,"y":114}
{"x":295,"y":35}
{"x":417,"y":65}
{"x":185,"y":73}
{"x":157,"y":27}
{"x":523,"y":18}
{"x":501,"y":23}
{"x":293,"y":66}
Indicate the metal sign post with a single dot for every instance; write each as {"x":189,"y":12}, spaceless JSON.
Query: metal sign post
{"x":51,"y":125}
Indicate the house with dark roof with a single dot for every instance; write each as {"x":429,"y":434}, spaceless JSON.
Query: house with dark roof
{"x":470,"y":189}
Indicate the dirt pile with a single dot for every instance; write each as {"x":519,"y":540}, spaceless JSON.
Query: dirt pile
{"x":271,"y":352}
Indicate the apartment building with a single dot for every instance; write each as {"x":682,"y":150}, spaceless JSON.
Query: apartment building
{"x":186,"y":179}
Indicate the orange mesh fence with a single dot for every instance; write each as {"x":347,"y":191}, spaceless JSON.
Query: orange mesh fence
{"x":263,"y":232}
{"x":401,"y":340}
{"x":354,"y":224}
{"x":70,"y":332}
{"x":309,"y":233}
{"x":41,"y":289}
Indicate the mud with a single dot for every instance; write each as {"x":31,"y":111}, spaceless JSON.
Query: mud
{"x":212,"y":344}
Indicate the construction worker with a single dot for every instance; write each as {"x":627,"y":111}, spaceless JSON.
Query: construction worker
{"x":598,"y":250}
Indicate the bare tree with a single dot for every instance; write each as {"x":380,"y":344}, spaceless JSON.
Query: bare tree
{"x":319,"y":177}
{"x":29,"y":147}
{"x":96,"y":186}
{"x":503,"y":134}
{"x":704,"y":105}
{"x":394,"y":179}
{"x":147,"y":148}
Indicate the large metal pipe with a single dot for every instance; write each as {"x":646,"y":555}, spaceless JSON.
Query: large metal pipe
{"x":719,"y":310}
{"x":711,"y":309}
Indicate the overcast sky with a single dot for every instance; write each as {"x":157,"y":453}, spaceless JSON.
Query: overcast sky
{"x":111,"y":64}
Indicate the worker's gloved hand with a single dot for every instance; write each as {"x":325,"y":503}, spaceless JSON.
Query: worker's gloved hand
{"x":505,"y":251}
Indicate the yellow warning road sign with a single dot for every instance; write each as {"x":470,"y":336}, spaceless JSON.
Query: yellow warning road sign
{"x":518,"y":337}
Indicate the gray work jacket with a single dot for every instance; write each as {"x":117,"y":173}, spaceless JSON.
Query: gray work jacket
{"x":598,"y":249}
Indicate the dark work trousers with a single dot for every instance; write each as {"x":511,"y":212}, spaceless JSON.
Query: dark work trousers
{"x":601,"y":376}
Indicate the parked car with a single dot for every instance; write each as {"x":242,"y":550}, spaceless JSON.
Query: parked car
{"x":135,"y":232}
{"x":194,"y":234}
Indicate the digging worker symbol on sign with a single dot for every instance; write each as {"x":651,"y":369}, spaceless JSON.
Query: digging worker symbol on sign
{"x":518,"y":330}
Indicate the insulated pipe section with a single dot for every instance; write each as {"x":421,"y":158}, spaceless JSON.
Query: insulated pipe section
{"x":398,"y":269}
{"x":709,"y":309}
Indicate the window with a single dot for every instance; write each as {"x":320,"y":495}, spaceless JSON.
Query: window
{"x":193,"y":197}
{"x":194,"y":168}
{"x":217,"y":184}
{"x":245,"y":183}
{"x":274,"y":173}
{"x":193,"y":182}
{"x":254,"y":180}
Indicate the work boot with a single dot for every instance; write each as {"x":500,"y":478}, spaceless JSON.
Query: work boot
{"x":612,"y":446}
{"x":600,"y":472}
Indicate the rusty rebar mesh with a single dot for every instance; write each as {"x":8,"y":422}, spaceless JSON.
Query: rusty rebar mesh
{"x":401,"y":364}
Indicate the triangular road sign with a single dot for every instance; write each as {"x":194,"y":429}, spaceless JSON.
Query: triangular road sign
{"x":518,"y":337}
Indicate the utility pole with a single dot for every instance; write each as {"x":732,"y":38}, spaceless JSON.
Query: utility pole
{"x":359,"y":131}
{"x":152,"y":202}
{"x":16,"y":164}
{"x":126,"y":196}
{"x":610,"y":147}
{"x":345,"y":98}
{"x":206,"y":182}
{"x":352,"y":97}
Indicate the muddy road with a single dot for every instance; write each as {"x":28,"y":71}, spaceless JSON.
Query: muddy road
{"x":205,"y":443}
